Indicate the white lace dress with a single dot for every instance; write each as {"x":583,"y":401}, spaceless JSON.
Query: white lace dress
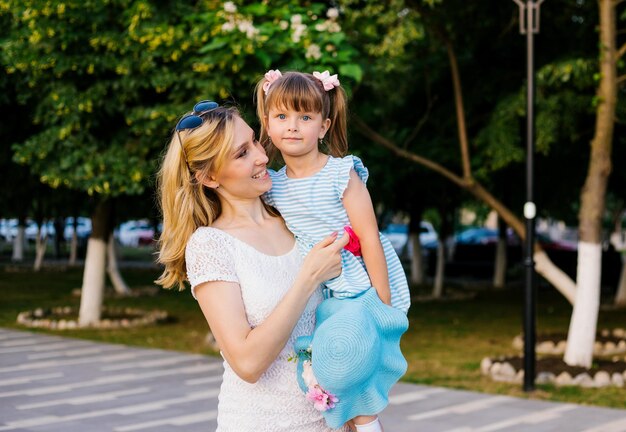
{"x":274,"y":403}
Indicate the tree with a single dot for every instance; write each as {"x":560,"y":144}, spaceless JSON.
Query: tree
{"x":440,"y":23}
{"x":434,"y":21}
{"x":582,"y":330}
{"x":104,"y":82}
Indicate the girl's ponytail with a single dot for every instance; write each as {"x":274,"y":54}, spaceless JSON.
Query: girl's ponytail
{"x":262,"y":113}
{"x":337,"y":134}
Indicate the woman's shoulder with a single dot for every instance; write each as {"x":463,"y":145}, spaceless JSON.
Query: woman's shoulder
{"x":206,"y":236}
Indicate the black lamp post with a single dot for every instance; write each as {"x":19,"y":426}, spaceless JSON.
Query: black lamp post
{"x":529,"y":25}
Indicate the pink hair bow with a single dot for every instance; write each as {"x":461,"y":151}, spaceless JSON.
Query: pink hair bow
{"x":328,"y":81}
{"x":270,"y":77}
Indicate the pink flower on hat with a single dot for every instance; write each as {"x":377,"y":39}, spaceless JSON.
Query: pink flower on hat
{"x":321,"y":399}
{"x":353,"y":245}
{"x":271,"y":76}
{"x":328,"y":81}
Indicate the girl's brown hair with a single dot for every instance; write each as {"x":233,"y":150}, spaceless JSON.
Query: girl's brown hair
{"x":303,"y":92}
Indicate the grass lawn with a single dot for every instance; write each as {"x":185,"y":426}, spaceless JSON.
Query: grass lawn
{"x":444,"y":345}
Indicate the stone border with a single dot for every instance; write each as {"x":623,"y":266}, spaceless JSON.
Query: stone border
{"x":40,"y":318}
{"x":109,"y":292}
{"x":500,"y":370}
{"x":599,"y":349}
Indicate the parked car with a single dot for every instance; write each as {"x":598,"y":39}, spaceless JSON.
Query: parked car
{"x":8,"y":229}
{"x":478,"y":235}
{"x":32,"y":230}
{"x":135,"y":233}
{"x":556,"y":244}
{"x":83,"y":229}
{"x":398,"y":235}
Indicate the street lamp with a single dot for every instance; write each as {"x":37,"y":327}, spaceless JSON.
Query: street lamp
{"x":529,"y":25}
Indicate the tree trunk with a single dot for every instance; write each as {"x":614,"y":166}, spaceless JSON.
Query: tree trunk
{"x":499,"y":273}
{"x":620,"y":295}
{"x":18,"y":244}
{"x":113,"y":270}
{"x":41,"y":244}
{"x":73,"y":247}
{"x":582,"y":326}
{"x":582,"y":330}
{"x":439,"y":269}
{"x":93,"y":283}
{"x":499,"y":268}
{"x":417,"y":259}
{"x":95,"y":261}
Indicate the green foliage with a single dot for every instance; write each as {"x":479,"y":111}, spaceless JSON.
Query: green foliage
{"x":105,"y":80}
{"x":564,"y":97}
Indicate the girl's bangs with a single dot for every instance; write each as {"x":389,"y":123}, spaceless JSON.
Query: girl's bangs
{"x":296,"y":93}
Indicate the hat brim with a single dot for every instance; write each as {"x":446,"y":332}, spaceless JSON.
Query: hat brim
{"x":356,"y":354}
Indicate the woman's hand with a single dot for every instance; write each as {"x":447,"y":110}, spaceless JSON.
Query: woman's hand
{"x":323,"y":261}
{"x":251,"y":351}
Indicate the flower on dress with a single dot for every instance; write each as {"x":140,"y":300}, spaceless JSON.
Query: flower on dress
{"x":322,"y":400}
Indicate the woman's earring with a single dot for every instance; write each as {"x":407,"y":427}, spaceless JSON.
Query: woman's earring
{"x":321,"y":142}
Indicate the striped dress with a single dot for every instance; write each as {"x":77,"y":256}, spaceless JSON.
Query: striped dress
{"x":312,"y":208}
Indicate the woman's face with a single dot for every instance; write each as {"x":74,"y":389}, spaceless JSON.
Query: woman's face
{"x":244,"y":174}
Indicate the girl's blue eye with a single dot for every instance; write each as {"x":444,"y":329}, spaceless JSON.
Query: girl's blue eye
{"x":306,"y":117}
{"x":281,"y":116}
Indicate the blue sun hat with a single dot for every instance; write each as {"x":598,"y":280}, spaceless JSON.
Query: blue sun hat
{"x":354,"y":354}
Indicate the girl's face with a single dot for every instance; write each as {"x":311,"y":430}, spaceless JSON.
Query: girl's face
{"x":244,"y":174}
{"x":296,"y":133}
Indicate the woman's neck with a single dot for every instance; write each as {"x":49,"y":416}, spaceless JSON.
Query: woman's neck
{"x":305,"y":165}
{"x":240,"y":213}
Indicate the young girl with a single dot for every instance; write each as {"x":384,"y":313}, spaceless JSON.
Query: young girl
{"x":349,"y":364}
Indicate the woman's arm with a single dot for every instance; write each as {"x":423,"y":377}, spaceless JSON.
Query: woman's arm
{"x":251,"y":351}
{"x":358,"y":205}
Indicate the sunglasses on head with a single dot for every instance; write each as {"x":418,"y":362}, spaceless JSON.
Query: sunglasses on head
{"x":193,"y":120}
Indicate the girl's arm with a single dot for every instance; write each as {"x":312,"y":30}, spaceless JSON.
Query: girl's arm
{"x":250,"y":351}
{"x":358,"y":205}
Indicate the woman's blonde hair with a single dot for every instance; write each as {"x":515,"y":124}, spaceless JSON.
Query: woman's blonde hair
{"x":304,"y":93}
{"x":185,"y":203}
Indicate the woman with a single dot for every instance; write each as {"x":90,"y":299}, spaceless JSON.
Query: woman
{"x":256,"y":292}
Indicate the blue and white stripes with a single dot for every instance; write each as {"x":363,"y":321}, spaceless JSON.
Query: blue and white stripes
{"x":312,"y":209}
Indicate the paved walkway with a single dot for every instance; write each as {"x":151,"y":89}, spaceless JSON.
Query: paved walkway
{"x":52,"y":383}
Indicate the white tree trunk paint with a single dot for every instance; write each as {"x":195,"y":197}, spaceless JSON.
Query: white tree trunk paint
{"x":582,"y":328}
{"x":73,"y":248}
{"x":562,"y":282}
{"x":40,"y":249}
{"x":620,"y":295}
{"x":113,"y":270}
{"x":18,"y":244}
{"x":93,"y":283}
{"x":417,"y":266}
{"x":438,"y":285}
{"x":499,"y":273}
